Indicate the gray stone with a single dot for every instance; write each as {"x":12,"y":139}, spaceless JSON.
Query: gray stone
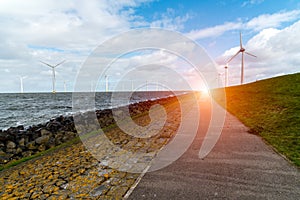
{"x":31,"y":145}
{"x":10,"y":145}
{"x":22,"y":142}
{"x":46,"y":132}
{"x":19,"y":150}
{"x":102,"y":189}
{"x":42,"y":140}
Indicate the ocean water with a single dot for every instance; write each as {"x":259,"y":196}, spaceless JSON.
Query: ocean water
{"x":34,"y":108}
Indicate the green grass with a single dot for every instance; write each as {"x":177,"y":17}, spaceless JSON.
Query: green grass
{"x":270,"y":108}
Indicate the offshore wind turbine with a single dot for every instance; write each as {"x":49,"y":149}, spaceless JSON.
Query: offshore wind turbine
{"x":106,"y":83}
{"x":241,"y":50}
{"x":53,"y":73}
{"x":21,"y":83}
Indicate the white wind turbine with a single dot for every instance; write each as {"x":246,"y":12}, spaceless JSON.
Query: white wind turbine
{"x":21,"y":83}
{"x":226,"y":75}
{"x":53,"y":73}
{"x":241,"y":50}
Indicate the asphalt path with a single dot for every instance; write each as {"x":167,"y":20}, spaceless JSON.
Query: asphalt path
{"x":240,"y":166}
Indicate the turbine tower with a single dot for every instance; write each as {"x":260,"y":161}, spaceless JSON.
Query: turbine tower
{"x":242,"y":50}
{"x":106,"y":83}
{"x":65,"y":86}
{"x":53,"y":73}
{"x":226,"y":75}
{"x":21,"y":83}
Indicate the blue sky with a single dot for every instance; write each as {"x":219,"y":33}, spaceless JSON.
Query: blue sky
{"x":53,"y":31}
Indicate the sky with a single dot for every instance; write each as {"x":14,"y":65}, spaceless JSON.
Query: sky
{"x":71,"y":30}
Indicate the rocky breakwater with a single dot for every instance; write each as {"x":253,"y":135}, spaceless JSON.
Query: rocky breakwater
{"x":19,"y":142}
{"x":72,"y":172}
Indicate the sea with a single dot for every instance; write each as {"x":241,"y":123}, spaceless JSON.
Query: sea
{"x":34,"y":108}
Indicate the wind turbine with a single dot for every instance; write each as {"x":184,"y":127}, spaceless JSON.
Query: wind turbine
{"x":106,"y":83}
{"x":242,"y":50}
{"x":21,"y":83}
{"x":65,"y":86}
{"x":53,"y":73}
{"x":226,"y":75}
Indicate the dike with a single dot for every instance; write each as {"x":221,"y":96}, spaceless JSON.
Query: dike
{"x":17,"y":142}
{"x":72,"y":172}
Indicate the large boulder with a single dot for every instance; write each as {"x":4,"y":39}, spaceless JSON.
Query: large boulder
{"x":10,"y":145}
{"x":42,"y":140}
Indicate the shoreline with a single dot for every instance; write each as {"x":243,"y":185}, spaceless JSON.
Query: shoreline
{"x":20,"y":142}
{"x":48,"y":106}
{"x":72,"y":172}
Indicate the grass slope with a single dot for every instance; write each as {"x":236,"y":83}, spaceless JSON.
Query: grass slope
{"x":270,"y":108}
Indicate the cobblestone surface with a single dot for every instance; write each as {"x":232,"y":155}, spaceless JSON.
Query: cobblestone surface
{"x":73,"y":173}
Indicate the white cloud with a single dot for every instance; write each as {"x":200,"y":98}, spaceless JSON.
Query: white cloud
{"x":272,"y":20}
{"x":256,"y":24}
{"x":277,"y":53}
{"x":53,"y":31}
{"x":169,"y":20}
{"x":213,"y":31}
{"x":252,"y":2}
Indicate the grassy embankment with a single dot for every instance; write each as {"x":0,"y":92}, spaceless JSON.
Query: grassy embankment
{"x":270,"y":108}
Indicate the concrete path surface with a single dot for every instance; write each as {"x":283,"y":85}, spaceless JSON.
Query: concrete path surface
{"x":241,"y":166}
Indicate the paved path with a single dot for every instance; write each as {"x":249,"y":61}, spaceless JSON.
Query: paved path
{"x":241,"y":166}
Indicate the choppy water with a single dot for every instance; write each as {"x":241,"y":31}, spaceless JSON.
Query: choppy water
{"x":34,"y":108}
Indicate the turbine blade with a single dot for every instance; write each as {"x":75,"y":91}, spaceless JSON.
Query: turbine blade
{"x":241,"y":42}
{"x":46,"y":64}
{"x":233,"y":57}
{"x":250,"y":54}
{"x":60,"y":63}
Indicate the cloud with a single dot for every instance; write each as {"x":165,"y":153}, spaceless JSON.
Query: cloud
{"x":252,"y":2}
{"x":213,"y":31}
{"x":54,"y":31}
{"x":274,"y":20}
{"x":277,"y":53}
{"x":169,"y":20}
{"x":255,"y":24}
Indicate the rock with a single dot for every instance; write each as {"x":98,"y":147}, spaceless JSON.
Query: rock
{"x":53,"y":126}
{"x":42,"y":140}
{"x":18,"y":150}
{"x":68,"y":136}
{"x":5,"y":158}
{"x":4,"y":136}
{"x":13,"y":151}
{"x":45,"y":132}
{"x":10,"y":145}
{"x":51,"y":143}
{"x":22,"y":142}
{"x":31,"y":146}
{"x":1,"y":145}
{"x":42,"y":147}
{"x":26,"y":153}
{"x":102,"y":189}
